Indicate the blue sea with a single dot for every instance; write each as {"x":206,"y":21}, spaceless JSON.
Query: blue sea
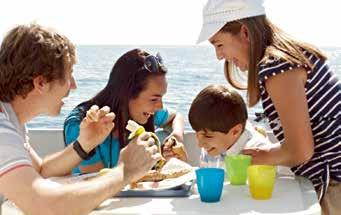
{"x":190,"y":69}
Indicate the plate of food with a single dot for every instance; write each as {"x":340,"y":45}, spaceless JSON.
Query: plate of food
{"x":183,"y":190}
{"x":175,"y":179}
{"x":166,"y":174}
{"x":173,"y":174}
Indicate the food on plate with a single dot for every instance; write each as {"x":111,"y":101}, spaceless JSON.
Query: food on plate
{"x":174,"y":173}
{"x":154,"y":175}
{"x":160,"y":172}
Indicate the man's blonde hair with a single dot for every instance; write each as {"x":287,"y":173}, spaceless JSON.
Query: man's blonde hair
{"x":29,"y":51}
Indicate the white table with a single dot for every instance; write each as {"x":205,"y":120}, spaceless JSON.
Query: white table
{"x":292,"y":195}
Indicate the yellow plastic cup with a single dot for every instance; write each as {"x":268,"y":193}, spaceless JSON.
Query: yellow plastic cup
{"x":261,"y":180}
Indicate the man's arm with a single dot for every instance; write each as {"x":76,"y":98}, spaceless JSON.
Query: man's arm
{"x":35,"y":195}
{"x":35,"y":158}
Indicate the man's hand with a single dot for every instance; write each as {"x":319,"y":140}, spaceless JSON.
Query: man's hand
{"x":173,"y":148}
{"x":138,"y":157}
{"x":95,"y":127}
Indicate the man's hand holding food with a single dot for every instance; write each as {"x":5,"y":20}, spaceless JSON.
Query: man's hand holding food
{"x":139,"y":156}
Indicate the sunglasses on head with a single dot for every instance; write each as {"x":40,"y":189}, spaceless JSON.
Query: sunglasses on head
{"x":153,"y":63}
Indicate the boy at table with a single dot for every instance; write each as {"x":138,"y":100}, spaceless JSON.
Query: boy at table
{"x":218,"y":115}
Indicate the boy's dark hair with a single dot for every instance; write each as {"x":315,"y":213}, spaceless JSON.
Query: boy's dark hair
{"x":28,"y":51}
{"x":217,"y":108}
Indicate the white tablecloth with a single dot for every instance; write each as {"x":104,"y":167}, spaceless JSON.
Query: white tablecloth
{"x":291,"y":196}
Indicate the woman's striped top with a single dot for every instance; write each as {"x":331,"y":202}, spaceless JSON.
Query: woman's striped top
{"x":322,"y":91}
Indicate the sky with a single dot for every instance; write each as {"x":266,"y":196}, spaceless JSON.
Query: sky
{"x":163,"y":22}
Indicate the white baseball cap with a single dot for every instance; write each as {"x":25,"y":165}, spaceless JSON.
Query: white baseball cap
{"x":217,"y":13}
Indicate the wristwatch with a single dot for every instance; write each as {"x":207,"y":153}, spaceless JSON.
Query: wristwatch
{"x":80,"y":151}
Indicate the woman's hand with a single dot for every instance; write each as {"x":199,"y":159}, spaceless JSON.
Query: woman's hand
{"x":95,"y":127}
{"x":173,"y":148}
{"x":274,"y":154}
{"x":258,"y":155}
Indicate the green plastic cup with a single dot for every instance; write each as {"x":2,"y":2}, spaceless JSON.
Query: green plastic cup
{"x":236,"y":167}
{"x":261,"y":180}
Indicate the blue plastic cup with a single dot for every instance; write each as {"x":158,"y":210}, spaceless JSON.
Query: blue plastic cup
{"x":210,"y":183}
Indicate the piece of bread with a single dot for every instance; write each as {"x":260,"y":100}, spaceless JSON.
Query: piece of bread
{"x":154,"y":175}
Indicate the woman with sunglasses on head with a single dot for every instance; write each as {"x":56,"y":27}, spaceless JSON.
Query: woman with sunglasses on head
{"x":134,"y":91}
{"x":300,"y":95}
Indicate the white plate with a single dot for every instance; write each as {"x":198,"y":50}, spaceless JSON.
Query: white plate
{"x":171,"y":165}
{"x":164,"y":184}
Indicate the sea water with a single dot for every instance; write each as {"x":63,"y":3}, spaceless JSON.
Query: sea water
{"x":190,"y":69}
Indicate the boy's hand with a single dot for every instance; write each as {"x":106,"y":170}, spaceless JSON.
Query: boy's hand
{"x":95,"y":127}
{"x":173,"y":148}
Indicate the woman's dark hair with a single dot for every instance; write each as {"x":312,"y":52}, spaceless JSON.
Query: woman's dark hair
{"x":128,"y":78}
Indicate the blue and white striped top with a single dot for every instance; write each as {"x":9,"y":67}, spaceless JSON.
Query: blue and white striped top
{"x":322,"y":90}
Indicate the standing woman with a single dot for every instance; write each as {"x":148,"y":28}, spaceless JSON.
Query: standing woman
{"x":299,"y":93}
{"x":134,"y":91}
